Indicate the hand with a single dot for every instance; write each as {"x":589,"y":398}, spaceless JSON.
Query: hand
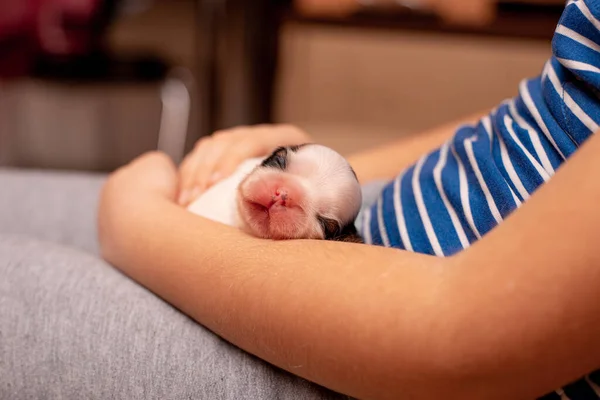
{"x":217,"y":156}
{"x":150,"y":176}
{"x":153,"y":172}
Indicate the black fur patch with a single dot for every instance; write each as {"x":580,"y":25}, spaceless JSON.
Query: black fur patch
{"x":333,"y":231}
{"x":277,"y":159}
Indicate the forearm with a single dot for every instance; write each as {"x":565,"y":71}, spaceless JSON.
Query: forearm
{"x":315,"y":308}
{"x":526,"y":297}
{"x":370,"y":322}
{"x":513,"y":316}
{"x":387,"y":161}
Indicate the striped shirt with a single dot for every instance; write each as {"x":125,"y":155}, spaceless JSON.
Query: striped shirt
{"x":458,"y":193}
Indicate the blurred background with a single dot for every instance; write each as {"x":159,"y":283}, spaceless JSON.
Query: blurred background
{"x":90,"y":84}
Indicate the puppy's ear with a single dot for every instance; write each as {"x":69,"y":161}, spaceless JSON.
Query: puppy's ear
{"x":349,"y":234}
{"x":332,"y":231}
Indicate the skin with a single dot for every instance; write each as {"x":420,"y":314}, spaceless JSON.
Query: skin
{"x":514,"y":316}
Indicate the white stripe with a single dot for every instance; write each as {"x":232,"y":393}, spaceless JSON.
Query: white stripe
{"x":508,"y":124}
{"x":437,"y":176}
{"x":435,"y":244}
{"x":400,"y":216}
{"x":578,"y":65}
{"x":586,"y":12}
{"x":367,"y":226}
{"x":573,"y":106}
{"x":571,"y":34}
{"x":510,"y":170}
{"x":487,"y":124}
{"x":486,"y":191}
{"x":515,"y":198}
{"x":593,"y":385}
{"x":381,"y":224}
{"x":464,"y":194}
{"x":545,"y":72}
{"x":534,"y":137}
{"x":526,"y":96}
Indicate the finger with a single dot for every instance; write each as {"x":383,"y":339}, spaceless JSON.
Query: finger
{"x":244,"y":143}
{"x":201,"y":158}
{"x":227,"y":165}
{"x":154,"y":171}
{"x":186,"y":176}
{"x":154,"y":157}
{"x":208,"y":156}
{"x":190,"y":167}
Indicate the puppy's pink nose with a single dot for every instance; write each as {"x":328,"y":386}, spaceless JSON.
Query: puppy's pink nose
{"x":279,"y":198}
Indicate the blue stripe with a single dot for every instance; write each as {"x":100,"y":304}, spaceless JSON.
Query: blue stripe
{"x":520,"y":132}
{"x":528,"y":174}
{"x":569,"y":122}
{"x":594,"y":7}
{"x":375,"y":233}
{"x":496,"y":182}
{"x":579,"y":91}
{"x":390,"y":218}
{"x":484,"y":220}
{"x":440,"y":218}
{"x":497,"y":157}
{"x":570,"y":49}
{"x":414,"y":224}
{"x":574,"y":19}
{"x":450,"y":183}
{"x":552,"y":153}
{"x":564,"y":142}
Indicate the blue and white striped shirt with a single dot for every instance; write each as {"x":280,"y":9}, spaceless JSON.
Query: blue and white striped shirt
{"x":457,"y":194}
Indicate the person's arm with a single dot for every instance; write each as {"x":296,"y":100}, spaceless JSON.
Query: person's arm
{"x":514,"y":316}
{"x":384,"y":162}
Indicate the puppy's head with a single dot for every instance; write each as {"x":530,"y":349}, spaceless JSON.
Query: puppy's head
{"x":301,"y":192}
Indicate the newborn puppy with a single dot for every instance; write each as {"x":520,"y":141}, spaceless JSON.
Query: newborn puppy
{"x":298,"y":192}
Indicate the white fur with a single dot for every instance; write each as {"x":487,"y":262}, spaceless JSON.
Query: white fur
{"x":218,"y":203}
{"x":332,"y":190}
{"x":331,"y":185}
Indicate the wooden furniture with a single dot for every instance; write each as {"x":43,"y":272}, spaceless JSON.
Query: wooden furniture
{"x":237,"y":48}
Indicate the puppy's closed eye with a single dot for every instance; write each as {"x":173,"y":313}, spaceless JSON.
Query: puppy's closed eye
{"x":277,"y":159}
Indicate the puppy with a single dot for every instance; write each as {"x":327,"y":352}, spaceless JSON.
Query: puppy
{"x":298,"y":192}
